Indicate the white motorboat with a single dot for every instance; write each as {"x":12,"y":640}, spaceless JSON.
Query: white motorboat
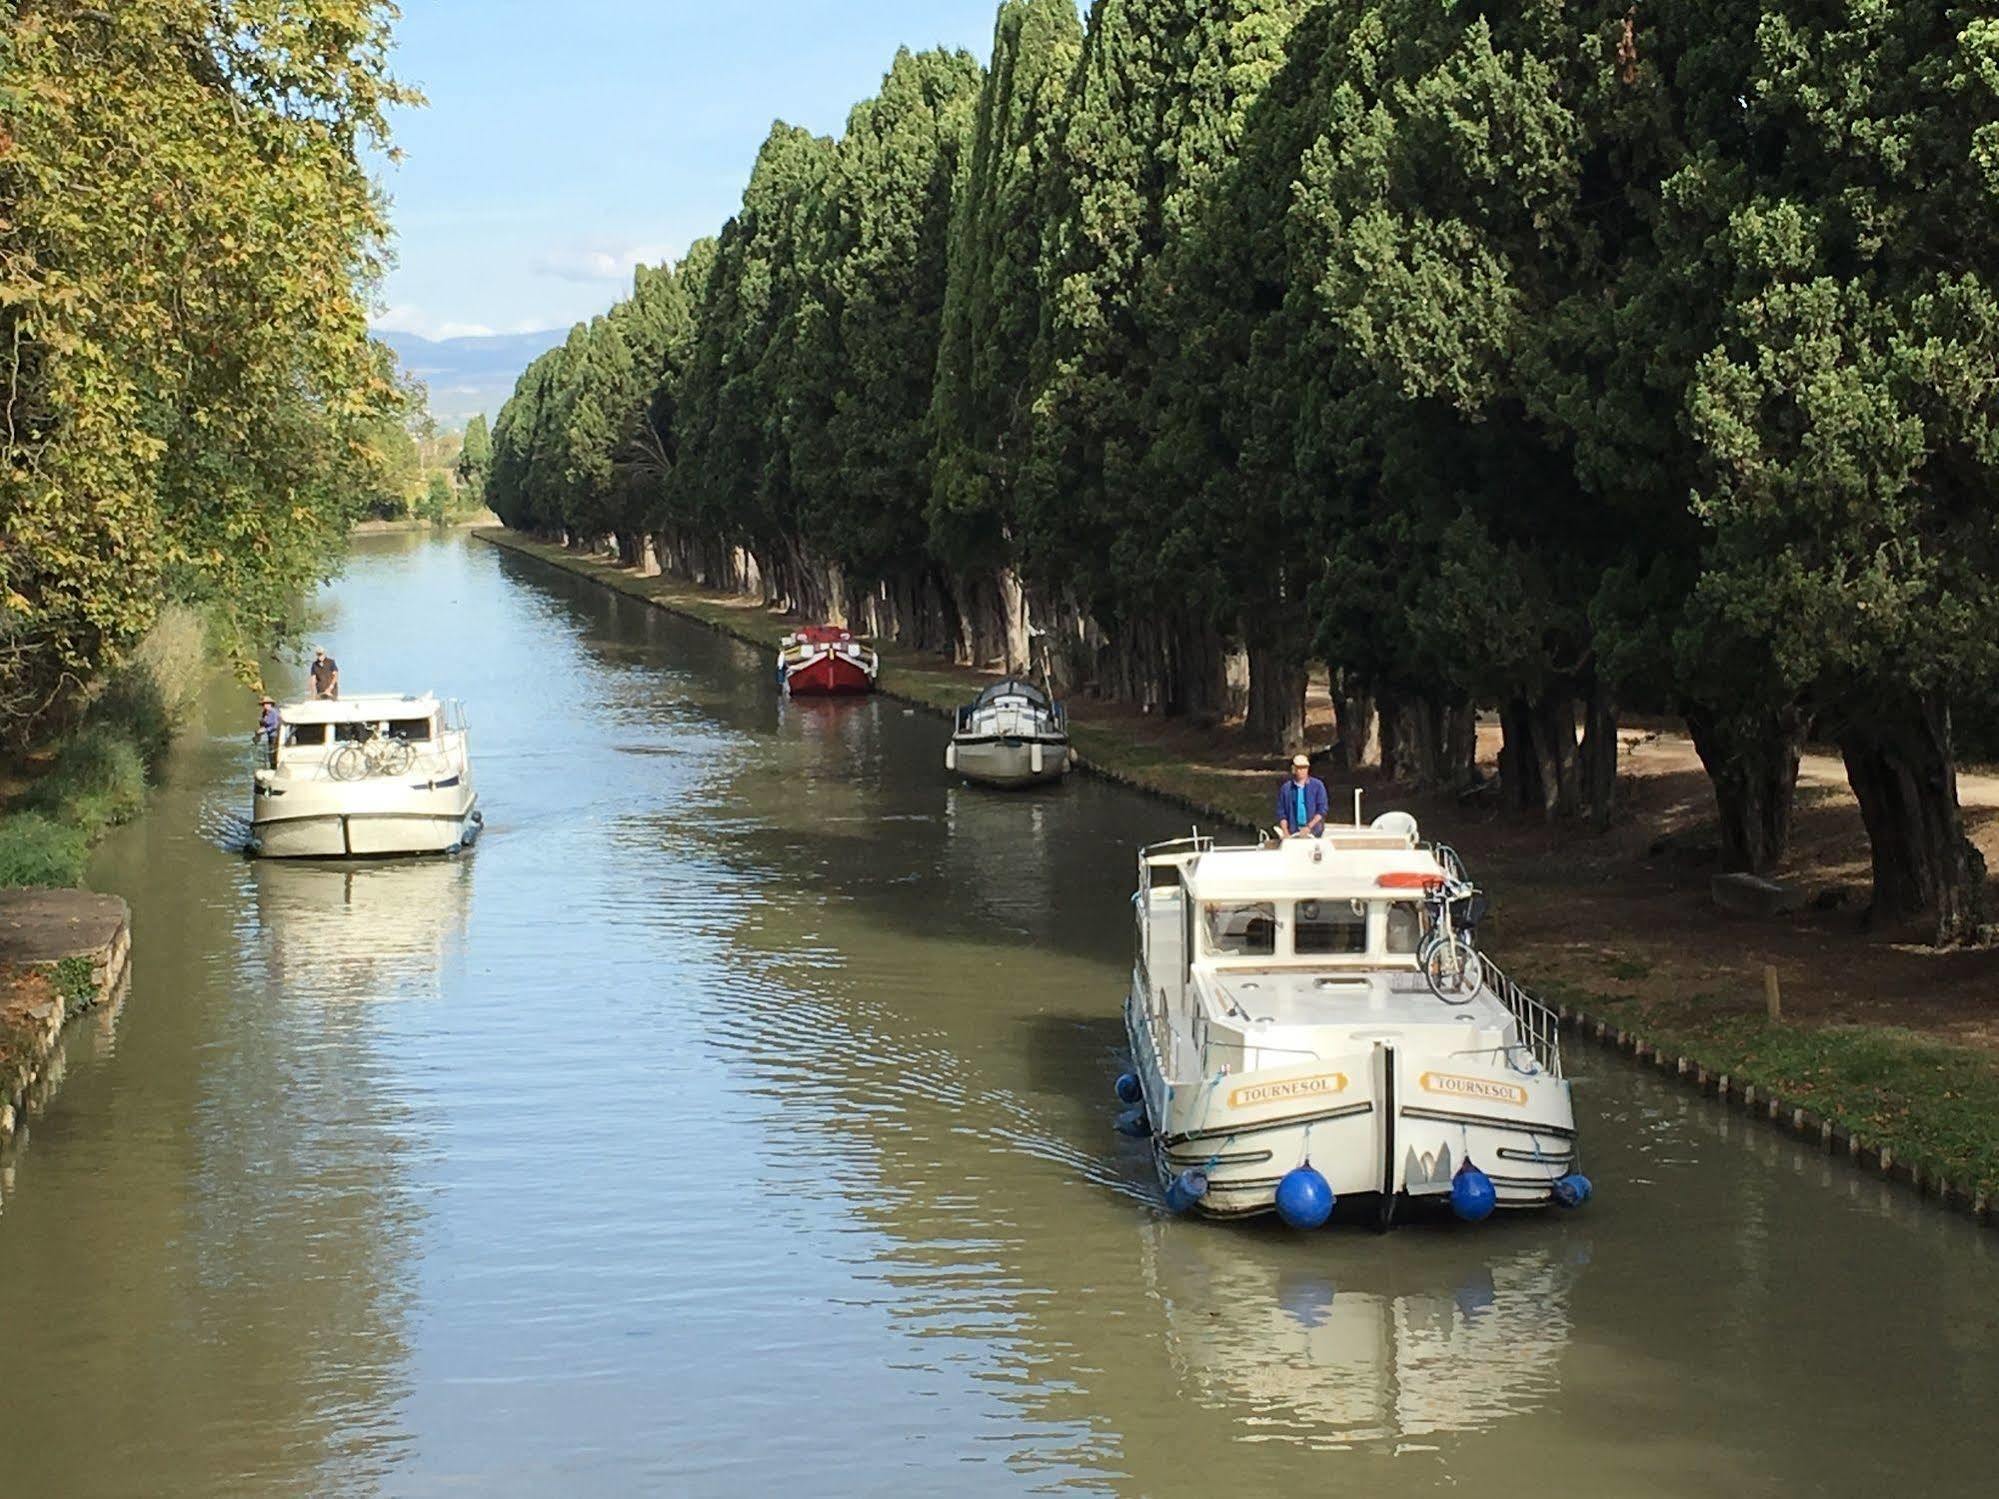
{"x":358,"y":776}
{"x":1309,"y":1021}
{"x":1012,"y":734}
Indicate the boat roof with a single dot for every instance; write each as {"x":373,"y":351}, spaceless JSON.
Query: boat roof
{"x":822,"y":634}
{"x":359,"y":707}
{"x":1011,"y":687}
{"x":1347,"y":864}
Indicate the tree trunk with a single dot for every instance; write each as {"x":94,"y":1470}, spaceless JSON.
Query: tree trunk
{"x":1425,"y":743}
{"x":1599,"y":755}
{"x":1406,"y":754}
{"x":1555,"y":736}
{"x":1458,"y":753}
{"x":1197,"y":684}
{"x":1904,"y":772}
{"x":1752,"y":763}
{"x":1276,"y":719}
{"x":1520,"y":781}
{"x":1353,"y":713}
{"x":1538,"y":766}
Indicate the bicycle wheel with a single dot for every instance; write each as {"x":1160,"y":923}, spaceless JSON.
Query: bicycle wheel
{"x":1453,"y":970}
{"x":397,"y":756}
{"x":349,"y":763}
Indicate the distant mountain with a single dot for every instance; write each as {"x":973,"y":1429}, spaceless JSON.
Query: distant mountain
{"x":465,"y":375}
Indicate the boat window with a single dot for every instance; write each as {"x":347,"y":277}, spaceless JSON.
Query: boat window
{"x":1405,"y":926}
{"x":409,"y":728}
{"x":346,"y":731}
{"x":1330,"y":926}
{"x":1243,"y":931}
{"x":305,"y":733}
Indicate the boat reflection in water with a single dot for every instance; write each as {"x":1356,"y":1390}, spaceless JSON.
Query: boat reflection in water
{"x":1366,"y":1350}
{"x":347,"y":931}
{"x":1000,"y":856}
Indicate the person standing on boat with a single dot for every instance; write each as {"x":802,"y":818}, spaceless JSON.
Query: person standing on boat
{"x":325,"y":674}
{"x":1301,"y":801}
{"x":267,"y":727}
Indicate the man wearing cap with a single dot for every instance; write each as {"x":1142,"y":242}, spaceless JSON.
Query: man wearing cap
{"x":325,"y":674}
{"x":1301,"y":801}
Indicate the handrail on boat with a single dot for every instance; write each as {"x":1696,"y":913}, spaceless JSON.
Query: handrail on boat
{"x":1539,"y":1024}
{"x":1197,"y":843}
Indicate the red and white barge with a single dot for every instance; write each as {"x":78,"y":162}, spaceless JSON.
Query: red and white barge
{"x":826,"y":661}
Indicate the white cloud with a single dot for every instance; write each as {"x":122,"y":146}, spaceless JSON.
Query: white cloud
{"x":599,"y":264}
{"x":409,"y":319}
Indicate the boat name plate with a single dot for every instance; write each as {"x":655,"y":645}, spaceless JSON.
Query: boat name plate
{"x":1451,"y":1085}
{"x":1286,"y":1090}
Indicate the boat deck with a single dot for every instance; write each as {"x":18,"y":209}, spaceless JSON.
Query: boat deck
{"x":1367,"y":997}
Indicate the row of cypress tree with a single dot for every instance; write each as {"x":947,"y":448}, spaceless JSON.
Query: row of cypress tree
{"x":1555,"y":359}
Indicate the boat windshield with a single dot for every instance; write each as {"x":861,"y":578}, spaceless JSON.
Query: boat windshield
{"x":1330,"y":926}
{"x":1013,"y":687}
{"x":1246,"y":930}
{"x":1405,"y":926}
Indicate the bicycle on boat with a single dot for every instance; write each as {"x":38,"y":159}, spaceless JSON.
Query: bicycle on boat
{"x":378,"y":754}
{"x":1450,"y":963}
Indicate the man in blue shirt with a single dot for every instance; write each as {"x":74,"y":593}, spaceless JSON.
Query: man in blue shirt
{"x":1301,"y":801}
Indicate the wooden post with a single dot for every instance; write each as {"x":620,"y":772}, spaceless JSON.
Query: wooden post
{"x":1773,"y":996}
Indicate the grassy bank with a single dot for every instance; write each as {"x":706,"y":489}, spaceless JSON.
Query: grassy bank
{"x":1890,"y":1045}
{"x":96,"y":776}
{"x":457,"y":520}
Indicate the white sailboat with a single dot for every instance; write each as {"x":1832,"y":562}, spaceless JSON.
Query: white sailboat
{"x":1012,"y":734}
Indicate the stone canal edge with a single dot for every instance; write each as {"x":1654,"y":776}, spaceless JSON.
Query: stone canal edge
{"x":935,"y":688}
{"x":63,"y":953}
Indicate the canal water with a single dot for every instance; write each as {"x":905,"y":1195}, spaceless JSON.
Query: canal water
{"x":736,"y":1119}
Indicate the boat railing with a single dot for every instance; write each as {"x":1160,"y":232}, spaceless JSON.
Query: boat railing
{"x":1540,"y":1026}
{"x":1193,"y":843}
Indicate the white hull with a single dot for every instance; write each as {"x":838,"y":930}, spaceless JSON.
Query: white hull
{"x":355,"y":835}
{"x":328,"y":820}
{"x":1009,"y":762}
{"x":1391,"y":1118}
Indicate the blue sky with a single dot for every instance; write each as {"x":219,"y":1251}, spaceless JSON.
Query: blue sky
{"x":563,"y":143}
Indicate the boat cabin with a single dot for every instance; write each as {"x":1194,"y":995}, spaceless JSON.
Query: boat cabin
{"x":310,"y":730}
{"x":1012,"y":690}
{"x":1012,"y":706}
{"x":1355,"y":898}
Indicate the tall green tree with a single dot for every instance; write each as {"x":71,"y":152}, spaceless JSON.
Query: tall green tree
{"x":1084,"y":518}
{"x":1219,"y":464}
{"x":1848,"y":410}
{"x":870,"y":315}
{"x":733,"y":480}
{"x":996,"y":293}
{"x":187,"y":242}
{"x":475,"y":458}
